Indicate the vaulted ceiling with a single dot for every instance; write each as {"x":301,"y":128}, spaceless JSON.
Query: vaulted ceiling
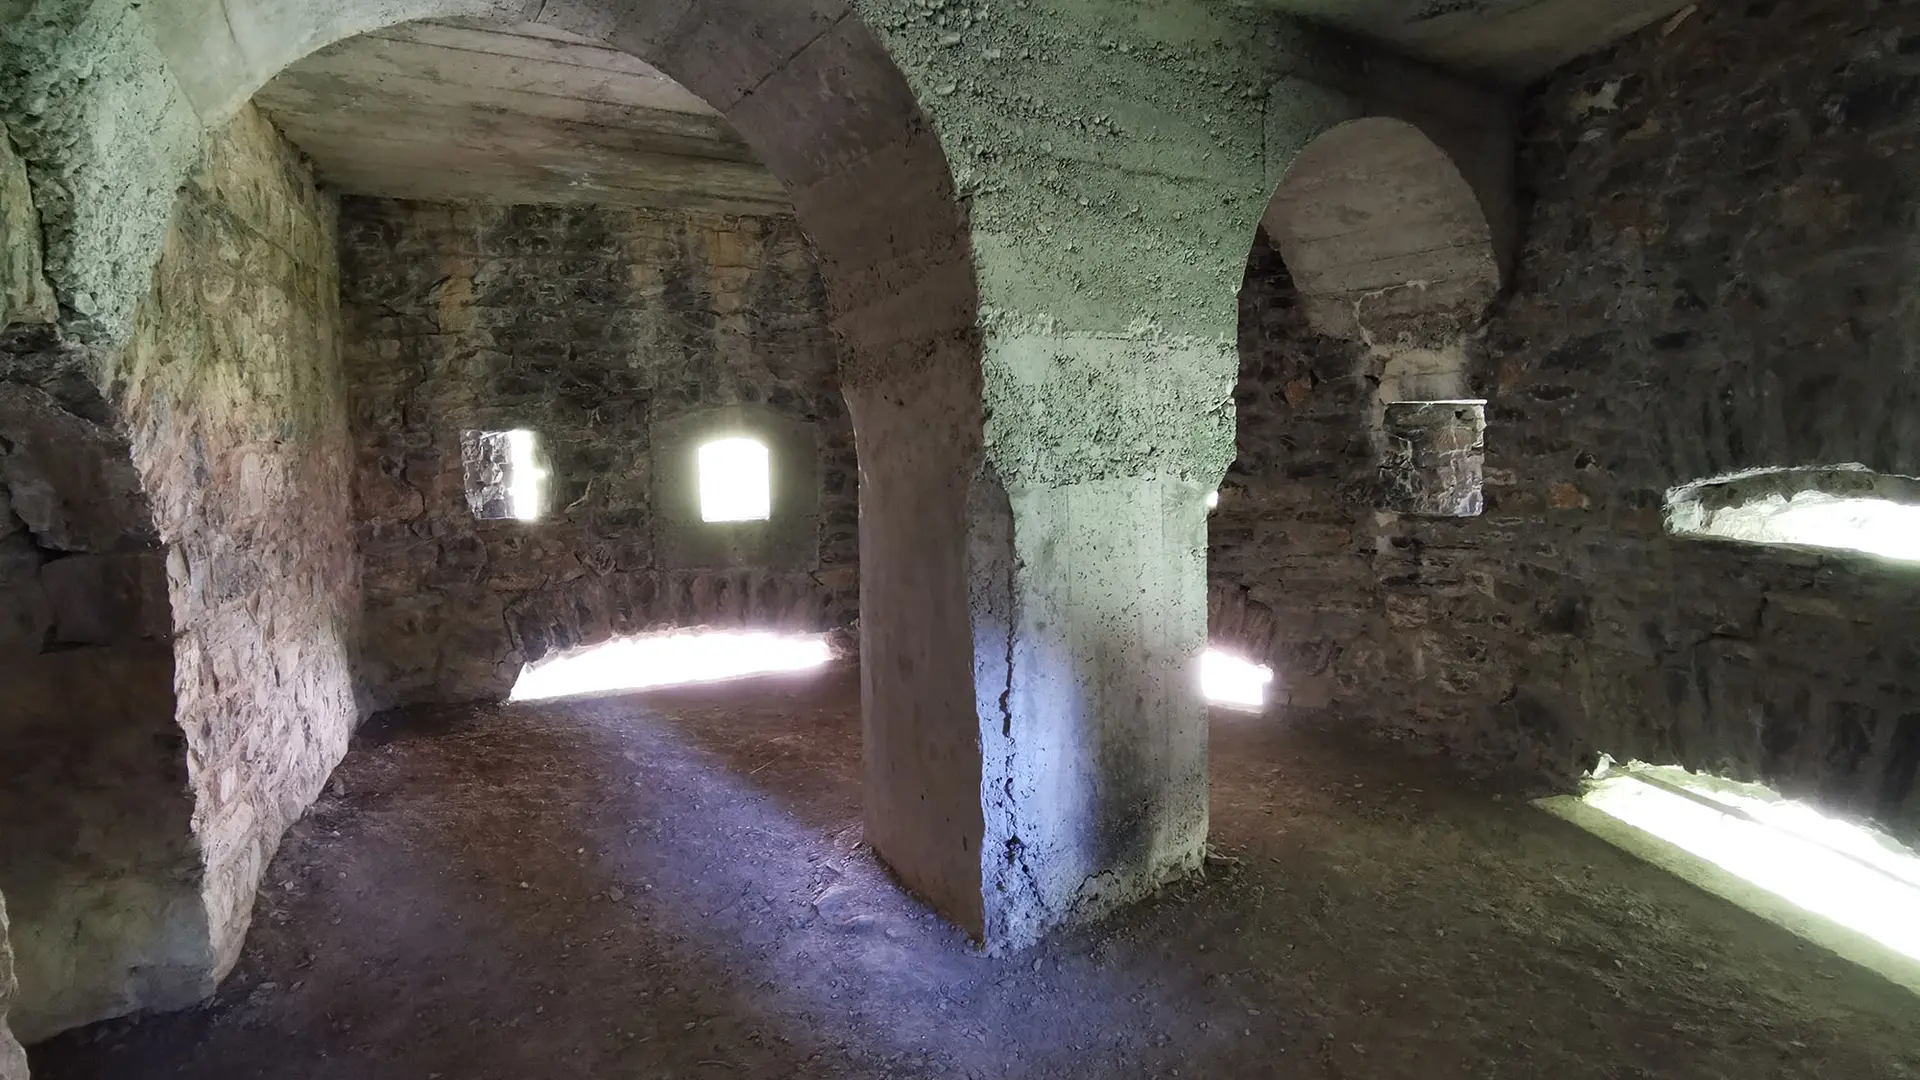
{"x":1511,"y":42}
{"x":524,"y":113}
{"x":514,"y":114}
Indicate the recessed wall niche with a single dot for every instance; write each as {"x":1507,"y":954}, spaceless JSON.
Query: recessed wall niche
{"x":1434,"y":458}
{"x":786,"y":537}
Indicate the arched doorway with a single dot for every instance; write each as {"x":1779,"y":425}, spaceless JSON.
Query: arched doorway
{"x":1359,"y":432}
{"x":820,"y":103}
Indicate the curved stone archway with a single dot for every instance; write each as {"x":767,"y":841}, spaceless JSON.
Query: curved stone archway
{"x":1034,"y":463}
{"x":823,"y":105}
{"x":1375,"y":261}
{"x":1384,"y":237}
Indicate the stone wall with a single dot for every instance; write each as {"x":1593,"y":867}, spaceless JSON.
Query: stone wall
{"x":96,"y":855}
{"x":1718,"y":274}
{"x":620,"y":338}
{"x":181,"y":597}
{"x":25,"y":296}
{"x":1289,"y":546}
{"x":234,"y":392}
{"x":13,"y":1060}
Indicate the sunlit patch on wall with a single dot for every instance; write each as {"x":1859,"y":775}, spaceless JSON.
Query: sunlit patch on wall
{"x":1228,"y":680}
{"x":1844,"y":507}
{"x":669,"y":659}
{"x":1848,"y":887}
{"x":736,"y":480}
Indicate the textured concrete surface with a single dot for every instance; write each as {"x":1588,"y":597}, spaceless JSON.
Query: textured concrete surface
{"x":1385,"y":238}
{"x":923,"y":509}
{"x":520,"y":113}
{"x":622,"y":339}
{"x":1116,"y":168}
{"x":1507,"y":41}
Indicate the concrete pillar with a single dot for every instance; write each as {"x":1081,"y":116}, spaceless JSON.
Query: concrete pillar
{"x":1112,"y":205}
{"x":1117,"y":160}
{"x":13,"y":1060}
{"x":1091,"y":620}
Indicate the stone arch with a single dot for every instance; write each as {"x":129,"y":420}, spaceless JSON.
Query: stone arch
{"x":824,"y":106}
{"x":766,"y":66}
{"x":1386,"y":240}
{"x":1375,"y":259}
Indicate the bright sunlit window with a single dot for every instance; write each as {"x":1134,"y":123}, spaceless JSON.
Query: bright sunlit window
{"x":525,"y":477}
{"x":736,"y":481}
{"x":504,"y":477}
{"x":1890,"y":530}
{"x":1853,"y":875}
{"x":669,"y":660}
{"x":1842,"y":507}
{"x":1228,"y":680}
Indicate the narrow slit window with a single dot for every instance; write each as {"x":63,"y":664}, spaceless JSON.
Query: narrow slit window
{"x":504,"y":477}
{"x":736,"y":480}
{"x":1839,"y":507}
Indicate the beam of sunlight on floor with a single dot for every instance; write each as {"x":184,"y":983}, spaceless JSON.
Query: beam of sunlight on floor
{"x":1228,"y":680}
{"x":1850,"y":875}
{"x":669,"y":660}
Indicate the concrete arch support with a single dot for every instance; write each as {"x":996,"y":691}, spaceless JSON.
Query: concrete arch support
{"x":1031,"y":222}
{"x":825,"y":108}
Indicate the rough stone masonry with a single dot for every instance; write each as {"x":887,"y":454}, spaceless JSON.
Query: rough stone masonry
{"x":1716,"y":277}
{"x":182,"y":597}
{"x":621,"y":339}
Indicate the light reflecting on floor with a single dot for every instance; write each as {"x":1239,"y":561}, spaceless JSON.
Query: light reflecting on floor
{"x":1843,"y":872}
{"x":669,"y":660}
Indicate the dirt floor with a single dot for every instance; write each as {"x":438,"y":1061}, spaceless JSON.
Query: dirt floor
{"x":674,"y":886}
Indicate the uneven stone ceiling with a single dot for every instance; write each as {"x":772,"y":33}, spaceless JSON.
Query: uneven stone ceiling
{"x":1505,"y":41}
{"x":455,"y":111}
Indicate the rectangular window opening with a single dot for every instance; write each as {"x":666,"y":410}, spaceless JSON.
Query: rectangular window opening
{"x":736,"y":480}
{"x":1234,"y":681}
{"x":669,"y":659}
{"x":505,"y":480}
{"x":1835,"y":507}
